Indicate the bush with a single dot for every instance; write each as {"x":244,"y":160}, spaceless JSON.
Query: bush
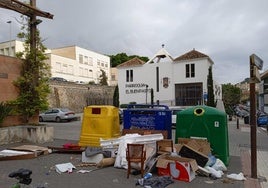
{"x":5,"y":109}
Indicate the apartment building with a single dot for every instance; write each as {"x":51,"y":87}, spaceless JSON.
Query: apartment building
{"x":73,"y":63}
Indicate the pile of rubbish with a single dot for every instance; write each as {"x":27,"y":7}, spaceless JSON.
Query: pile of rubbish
{"x":189,"y":158}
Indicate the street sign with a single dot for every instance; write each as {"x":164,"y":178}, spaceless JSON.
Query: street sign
{"x":258,"y":62}
{"x":255,"y":75}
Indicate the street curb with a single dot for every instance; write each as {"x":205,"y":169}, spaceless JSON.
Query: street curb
{"x":246,"y":168}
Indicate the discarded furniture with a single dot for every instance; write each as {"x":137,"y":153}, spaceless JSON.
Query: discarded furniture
{"x":164,"y":146}
{"x":135,"y":153}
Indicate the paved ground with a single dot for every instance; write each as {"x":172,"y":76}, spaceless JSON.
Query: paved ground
{"x":44,"y":167}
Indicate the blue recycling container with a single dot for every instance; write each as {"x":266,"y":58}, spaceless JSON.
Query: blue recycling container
{"x":148,"y":117}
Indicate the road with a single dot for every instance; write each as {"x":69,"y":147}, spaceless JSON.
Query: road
{"x":66,"y":130}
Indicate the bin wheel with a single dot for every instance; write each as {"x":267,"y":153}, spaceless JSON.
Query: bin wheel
{"x":58,"y":119}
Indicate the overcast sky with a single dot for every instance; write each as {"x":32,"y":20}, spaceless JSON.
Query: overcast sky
{"x":228,"y":31}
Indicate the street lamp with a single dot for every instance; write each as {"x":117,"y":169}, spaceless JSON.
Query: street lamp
{"x":9,"y":50}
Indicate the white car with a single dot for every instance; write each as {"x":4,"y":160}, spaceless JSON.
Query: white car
{"x":58,"y":115}
{"x":174,"y":110}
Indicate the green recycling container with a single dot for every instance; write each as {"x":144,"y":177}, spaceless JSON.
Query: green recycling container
{"x":205,"y":122}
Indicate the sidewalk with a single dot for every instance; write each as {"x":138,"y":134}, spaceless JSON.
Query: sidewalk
{"x":262,"y":156}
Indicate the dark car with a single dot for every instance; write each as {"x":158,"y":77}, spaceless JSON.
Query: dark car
{"x":58,"y":115}
{"x":59,"y":79}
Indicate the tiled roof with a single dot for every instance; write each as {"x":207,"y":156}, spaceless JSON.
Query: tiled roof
{"x":132,"y":62}
{"x":193,"y":54}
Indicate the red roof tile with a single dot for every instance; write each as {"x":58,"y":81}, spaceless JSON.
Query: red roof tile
{"x":132,"y":62}
{"x":193,"y":54}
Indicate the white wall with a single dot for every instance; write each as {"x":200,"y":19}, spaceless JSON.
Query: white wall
{"x":146,"y":74}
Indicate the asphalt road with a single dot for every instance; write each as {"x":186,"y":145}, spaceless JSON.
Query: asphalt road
{"x":43,"y":167}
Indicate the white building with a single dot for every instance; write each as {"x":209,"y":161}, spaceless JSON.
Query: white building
{"x":175,"y":82}
{"x":71,"y":63}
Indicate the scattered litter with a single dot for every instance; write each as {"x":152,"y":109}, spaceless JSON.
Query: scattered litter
{"x":203,"y":172}
{"x":155,"y":182}
{"x":65,"y":167}
{"x":209,"y":182}
{"x":219,"y":165}
{"x":214,"y":173}
{"x":116,"y":180}
{"x":84,"y":171}
{"x":211,"y":160}
{"x":239,"y":176}
{"x":86,"y":164}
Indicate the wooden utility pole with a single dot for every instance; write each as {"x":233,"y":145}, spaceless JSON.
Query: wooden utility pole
{"x":255,"y":64}
{"x":28,"y":10}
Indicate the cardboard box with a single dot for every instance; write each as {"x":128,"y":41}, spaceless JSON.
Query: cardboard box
{"x":188,"y":152}
{"x":178,"y":168}
{"x":200,"y":145}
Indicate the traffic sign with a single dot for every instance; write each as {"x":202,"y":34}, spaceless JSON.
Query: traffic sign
{"x":258,"y":62}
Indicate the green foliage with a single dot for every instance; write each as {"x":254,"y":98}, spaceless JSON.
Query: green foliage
{"x":116,"y":97}
{"x":211,"y":98}
{"x":231,"y":96}
{"x":5,"y":110}
{"x":103,"y":78}
{"x":33,"y":81}
{"x":91,"y":83}
{"x":123,"y":57}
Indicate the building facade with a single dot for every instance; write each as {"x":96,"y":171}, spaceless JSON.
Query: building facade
{"x":72,"y":63}
{"x":180,"y":81}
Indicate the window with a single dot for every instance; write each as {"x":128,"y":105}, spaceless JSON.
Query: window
{"x":71,"y":69}
{"x":64,"y":68}
{"x":90,"y":61}
{"x":80,"y":58}
{"x":190,"y":70}
{"x":58,"y":67}
{"x":80,"y":71}
{"x":85,"y":60}
{"x":129,"y":75}
{"x":90,"y":73}
{"x":188,"y":94}
{"x":113,"y":77}
{"x":98,"y":62}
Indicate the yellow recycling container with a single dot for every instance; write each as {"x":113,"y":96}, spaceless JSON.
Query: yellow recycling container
{"x":99,"y":122}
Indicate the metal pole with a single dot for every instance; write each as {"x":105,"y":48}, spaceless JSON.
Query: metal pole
{"x":146,"y":93}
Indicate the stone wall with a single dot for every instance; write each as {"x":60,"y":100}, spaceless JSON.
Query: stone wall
{"x":77,"y":96}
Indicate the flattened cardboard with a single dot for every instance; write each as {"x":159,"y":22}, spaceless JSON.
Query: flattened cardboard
{"x":200,"y":145}
{"x":185,"y":167}
{"x":15,"y":155}
{"x":32,"y":148}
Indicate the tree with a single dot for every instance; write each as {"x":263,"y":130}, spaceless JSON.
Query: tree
{"x":33,"y":81}
{"x":103,"y":78}
{"x":211,"y":98}
{"x":231,"y":96}
{"x":123,"y":57}
{"x":116,"y":97}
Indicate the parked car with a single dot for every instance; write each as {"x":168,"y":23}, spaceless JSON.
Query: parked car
{"x":59,"y":79}
{"x":262,"y":119}
{"x":174,"y":111}
{"x":58,"y":115}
